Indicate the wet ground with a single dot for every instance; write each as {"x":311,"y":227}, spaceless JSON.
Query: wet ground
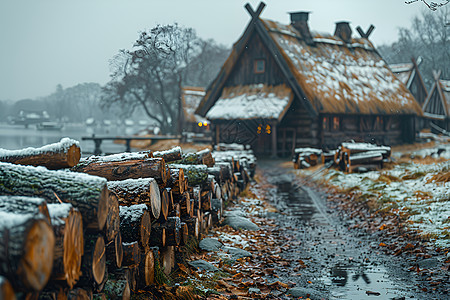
{"x":332,"y":262}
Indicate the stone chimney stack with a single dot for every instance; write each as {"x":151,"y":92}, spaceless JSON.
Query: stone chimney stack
{"x":343,"y":31}
{"x":300,"y":22}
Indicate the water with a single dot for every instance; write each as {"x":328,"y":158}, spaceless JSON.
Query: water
{"x":14,"y":137}
{"x":340,"y":264}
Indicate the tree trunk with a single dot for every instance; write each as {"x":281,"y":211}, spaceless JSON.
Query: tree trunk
{"x":93,"y":265}
{"x":158,"y":235}
{"x":24,"y":205}
{"x":27,"y":244}
{"x":128,"y":169}
{"x":119,"y":157}
{"x":80,"y":293}
{"x":176,"y":211}
{"x":53,"y":293}
{"x":226,"y":170}
{"x":206,"y":200}
{"x":131,"y":254}
{"x":138,"y":191}
{"x":185,"y":204}
{"x":167,"y":259}
{"x":173,"y":228}
{"x":170,"y":155}
{"x":86,"y":193}
{"x":67,"y":225}
{"x":114,"y":253}
{"x":112,"y":227}
{"x":6,"y":290}
{"x":135,"y":224}
{"x":64,"y":154}
{"x":196,"y":174}
{"x":217,"y":173}
{"x":184,"y":234}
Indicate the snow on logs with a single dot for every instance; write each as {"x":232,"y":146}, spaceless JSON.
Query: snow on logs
{"x":64,"y":154}
{"x":87,"y":193}
{"x":128,"y":214}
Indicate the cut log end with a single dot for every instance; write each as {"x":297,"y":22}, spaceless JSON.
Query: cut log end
{"x":73,"y":155}
{"x":37,"y":262}
{"x":102,"y":212}
{"x":6,"y":290}
{"x":73,"y":247}
{"x":99,"y":260}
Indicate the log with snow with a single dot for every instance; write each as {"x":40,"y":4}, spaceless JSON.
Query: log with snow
{"x":64,"y":154}
{"x":87,"y":193}
{"x":170,"y":155}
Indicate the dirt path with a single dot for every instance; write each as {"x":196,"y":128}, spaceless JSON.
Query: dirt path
{"x":330,"y":261}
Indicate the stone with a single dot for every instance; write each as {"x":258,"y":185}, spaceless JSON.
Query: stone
{"x":210,"y":244}
{"x":254,"y":291}
{"x":236,"y":253}
{"x":303,"y":293}
{"x":240,"y":223}
{"x":203,"y":265}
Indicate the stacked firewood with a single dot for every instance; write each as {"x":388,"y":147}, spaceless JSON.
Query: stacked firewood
{"x":351,"y":157}
{"x":307,"y":157}
{"x":107,"y":225}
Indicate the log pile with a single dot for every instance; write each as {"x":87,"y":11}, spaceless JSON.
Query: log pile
{"x":351,"y":157}
{"x":109,"y":225}
{"x":307,"y":157}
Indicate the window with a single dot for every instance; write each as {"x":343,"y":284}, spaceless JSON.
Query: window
{"x":336,"y":123}
{"x":325,"y":123}
{"x":259,"y":66}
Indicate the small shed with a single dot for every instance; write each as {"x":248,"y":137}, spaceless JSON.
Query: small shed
{"x":436,"y":109}
{"x":285,"y":87}
{"x":190,"y":99}
{"x":410,"y":75}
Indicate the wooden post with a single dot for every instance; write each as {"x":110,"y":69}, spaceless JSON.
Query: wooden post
{"x":274,"y":140}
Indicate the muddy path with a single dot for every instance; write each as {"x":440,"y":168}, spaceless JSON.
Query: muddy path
{"x":329,"y":260}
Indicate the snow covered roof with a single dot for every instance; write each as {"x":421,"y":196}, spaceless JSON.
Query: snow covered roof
{"x":339,"y":77}
{"x":191,"y":97}
{"x":251,"y":102}
{"x":402,"y":71}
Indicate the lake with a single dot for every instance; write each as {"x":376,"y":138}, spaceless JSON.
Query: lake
{"x":14,"y":137}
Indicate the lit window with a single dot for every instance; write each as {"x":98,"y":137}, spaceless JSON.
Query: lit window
{"x":268,"y":129}
{"x":200,"y":124}
{"x":325,"y":123}
{"x":259,"y":129}
{"x":336,"y":123}
{"x":259,"y":66}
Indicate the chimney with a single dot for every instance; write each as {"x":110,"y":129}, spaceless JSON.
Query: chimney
{"x":300,"y":22}
{"x":343,"y":31}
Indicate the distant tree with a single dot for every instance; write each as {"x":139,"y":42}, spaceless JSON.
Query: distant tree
{"x":427,"y":37}
{"x":150,"y":76}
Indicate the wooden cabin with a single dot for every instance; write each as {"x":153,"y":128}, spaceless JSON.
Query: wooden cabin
{"x":285,"y":87}
{"x":436,"y":109}
{"x":410,"y":75}
{"x":191,"y":122}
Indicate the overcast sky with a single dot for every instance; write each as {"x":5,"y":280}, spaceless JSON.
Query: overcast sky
{"x":48,"y":42}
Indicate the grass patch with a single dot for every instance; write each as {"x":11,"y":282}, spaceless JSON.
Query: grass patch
{"x":414,"y":175}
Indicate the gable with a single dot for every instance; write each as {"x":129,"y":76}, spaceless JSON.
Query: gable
{"x":434,"y":107}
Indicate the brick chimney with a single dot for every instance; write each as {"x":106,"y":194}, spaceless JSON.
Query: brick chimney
{"x":343,"y":31}
{"x":300,"y":22}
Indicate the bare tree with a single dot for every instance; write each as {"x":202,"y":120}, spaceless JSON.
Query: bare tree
{"x":431,"y":4}
{"x":149,"y":77}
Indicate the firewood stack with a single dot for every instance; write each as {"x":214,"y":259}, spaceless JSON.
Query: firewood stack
{"x":307,"y":157}
{"x":107,"y":225}
{"x":351,"y":157}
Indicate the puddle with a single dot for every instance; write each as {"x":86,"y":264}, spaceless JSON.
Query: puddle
{"x":360,"y":282}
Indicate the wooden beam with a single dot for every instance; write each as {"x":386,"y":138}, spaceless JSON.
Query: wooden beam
{"x":274,"y":140}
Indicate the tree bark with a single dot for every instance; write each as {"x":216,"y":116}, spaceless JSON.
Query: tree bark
{"x":202,"y":157}
{"x":135,"y":224}
{"x":147,"y":269}
{"x":86,"y":193}
{"x":131,"y":254}
{"x":226,"y":170}
{"x":64,"y":154}
{"x":185,"y":204}
{"x":27,"y":245}
{"x":167,"y":259}
{"x":196,"y":174}
{"x":176,"y":181}
{"x":80,"y":293}
{"x":24,"y":205}
{"x":138,"y":191}
{"x":117,"y":289}
{"x":127,"y":169}
{"x":114,"y":253}
{"x":6,"y":290}
{"x":67,"y":225}
{"x":158,"y":235}
{"x":165,"y":204}
{"x":173,"y":228}
{"x":170,"y":155}
{"x":193,"y":226}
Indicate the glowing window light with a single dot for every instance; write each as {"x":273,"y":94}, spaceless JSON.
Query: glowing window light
{"x":268,"y":131}
{"x":200,"y":124}
{"x":205,"y":124}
